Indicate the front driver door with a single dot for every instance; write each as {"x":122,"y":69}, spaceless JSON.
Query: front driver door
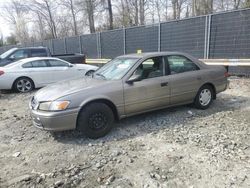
{"x":61,"y":70}
{"x":151,"y":92}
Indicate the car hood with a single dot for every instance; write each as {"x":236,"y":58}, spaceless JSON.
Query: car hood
{"x":67,"y":87}
{"x":85,"y":66}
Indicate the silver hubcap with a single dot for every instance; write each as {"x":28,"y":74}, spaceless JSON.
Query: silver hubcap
{"x":24,"y":85}
{"x":205,"y":97}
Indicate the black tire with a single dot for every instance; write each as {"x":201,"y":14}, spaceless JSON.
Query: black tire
{"x":89,"y":73}
{"x":95,"y":120}
{"x":203,"y":102}
{"x":23,"y":85}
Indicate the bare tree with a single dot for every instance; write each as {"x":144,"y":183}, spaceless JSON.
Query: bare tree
{"x":110,"y":10}
{"x":69,"y":4}
{"x":14,"y":13}
{"x":45,"y":9}
{"x":201,"y":7}
{"x":177,"y":6}
{"x":90,"y":7}
{"x":142,"y":4}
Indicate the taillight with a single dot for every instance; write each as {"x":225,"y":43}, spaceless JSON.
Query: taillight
{"x":1,"y":72}
{"x":226,"y":74}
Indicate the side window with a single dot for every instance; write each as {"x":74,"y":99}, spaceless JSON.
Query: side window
{"x":180,"y":64}
{"x":27,"y":65}
{"x":19,"y":54}
{"x":57,"y":63}
{"x":38,"y":53}
{"x":150,"y":68}
{"x":36,"y":64}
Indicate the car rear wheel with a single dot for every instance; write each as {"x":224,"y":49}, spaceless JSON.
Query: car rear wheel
{"x":204,"y":97}
{"x":95,"y":120}
{"x":23,"y":85}
{"x":89,"y":73}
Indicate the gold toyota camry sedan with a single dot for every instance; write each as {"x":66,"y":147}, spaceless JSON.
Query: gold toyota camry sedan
{"x":125,"y":86}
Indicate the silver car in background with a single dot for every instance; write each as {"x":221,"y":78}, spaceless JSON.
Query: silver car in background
{"x":127,"y":85}
{"x":27,"y":74}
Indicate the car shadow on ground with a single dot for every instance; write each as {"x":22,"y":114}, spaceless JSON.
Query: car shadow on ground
{"x":153,"y":122}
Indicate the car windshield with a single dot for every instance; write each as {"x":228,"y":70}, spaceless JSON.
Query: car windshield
{"x":6,"y":54}
{"x":116,"y":68}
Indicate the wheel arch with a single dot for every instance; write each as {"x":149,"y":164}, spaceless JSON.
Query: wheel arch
{"x":109,"y":103}
{"x":88,"y":71}
{"x":23,"y":77}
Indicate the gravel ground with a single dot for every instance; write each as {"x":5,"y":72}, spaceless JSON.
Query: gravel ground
{"x":176,"y":147}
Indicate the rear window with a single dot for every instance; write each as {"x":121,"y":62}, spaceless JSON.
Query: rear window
{"x":35,"y":64}
{"x":27,"y":65}
{"x":57,"y":63}
{"x":38,"y":53}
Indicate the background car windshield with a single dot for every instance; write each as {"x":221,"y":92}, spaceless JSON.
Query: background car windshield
{"x":6,"y":54}
{"x":116,"y":68}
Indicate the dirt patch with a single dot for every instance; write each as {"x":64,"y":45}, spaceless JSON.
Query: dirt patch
{"x":176,"y":147}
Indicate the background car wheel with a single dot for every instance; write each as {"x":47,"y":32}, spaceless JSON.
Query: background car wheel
{"x":89,"y":73}
{"x":95,"y":120}
{"x":204,"y":97}
{"x":23,"y":85}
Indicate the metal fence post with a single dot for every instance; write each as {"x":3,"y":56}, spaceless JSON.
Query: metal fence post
{"x":205,"y":42}
{"x":52,"y":46}
{"x":159,"y":37}
{"x":208,"y":35}
{"x":65,"y":45}
{"x":80,"y":44}
{"x":98,"y":40}
{"x":100,"y":45}
{"x":124,"y":40}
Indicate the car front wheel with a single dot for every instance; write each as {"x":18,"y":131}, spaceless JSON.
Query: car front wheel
{"x":204,"y":97}
{"x":95,"y":120}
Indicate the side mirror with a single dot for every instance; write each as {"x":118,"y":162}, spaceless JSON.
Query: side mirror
{"x":70,"y":65}
{"x":133,"y":78}
{"x":12,"y":57}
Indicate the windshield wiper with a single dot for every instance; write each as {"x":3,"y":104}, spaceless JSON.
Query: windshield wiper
{"x":101,"y":75}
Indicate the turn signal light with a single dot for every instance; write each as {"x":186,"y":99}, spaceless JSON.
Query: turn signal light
{"x":1,"y":72}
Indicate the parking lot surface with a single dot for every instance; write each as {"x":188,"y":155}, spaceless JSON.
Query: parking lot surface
{"x":176,"y":147}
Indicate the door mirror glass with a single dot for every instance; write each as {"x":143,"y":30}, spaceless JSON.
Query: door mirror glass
{"x":134,"y":78}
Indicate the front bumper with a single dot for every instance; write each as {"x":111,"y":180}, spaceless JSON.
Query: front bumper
{"x":55,"y":121}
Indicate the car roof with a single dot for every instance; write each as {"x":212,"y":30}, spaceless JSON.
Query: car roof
{"x":153,"y":54}
{"x":27,"y":60}
{"x":39,"y":47}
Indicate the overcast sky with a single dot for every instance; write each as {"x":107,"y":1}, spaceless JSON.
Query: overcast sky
{"x":4,"y":27}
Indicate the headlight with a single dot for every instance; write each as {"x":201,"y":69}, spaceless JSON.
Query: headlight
{"x":54,"y":106}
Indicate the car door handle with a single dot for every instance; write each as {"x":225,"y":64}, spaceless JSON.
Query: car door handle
{"x":164,"y":84}
{"x":198,"y":78}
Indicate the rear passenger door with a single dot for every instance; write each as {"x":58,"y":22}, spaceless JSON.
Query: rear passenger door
{"x":185,"y":78}
{"x":39,"y":71}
